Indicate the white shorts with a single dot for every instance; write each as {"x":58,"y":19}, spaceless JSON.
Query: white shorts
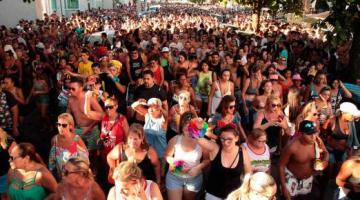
{"x":297,"y":187}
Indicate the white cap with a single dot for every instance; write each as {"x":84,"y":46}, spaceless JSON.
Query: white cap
{"x":165,"y":49}
{"x":154,"y":101}
{"x":350,"y":108}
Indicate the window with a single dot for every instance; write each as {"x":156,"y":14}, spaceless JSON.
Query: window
{"x":72,"y":4}
{"x":53,"y":5}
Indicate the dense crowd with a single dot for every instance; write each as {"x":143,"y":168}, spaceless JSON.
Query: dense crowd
{"x":179,"y":104}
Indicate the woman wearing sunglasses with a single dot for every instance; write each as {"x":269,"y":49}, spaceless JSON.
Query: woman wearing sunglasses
{"x":65,"y":145}
{"x":225,"y":114}
{"x":114,"y":128}
{"x":78,"y":182}
{"x":273,"y":121}
{"x":228,"y":162}
{"x":28,"y":177}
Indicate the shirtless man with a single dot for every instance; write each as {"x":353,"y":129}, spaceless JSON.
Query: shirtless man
{"x":296,"y":165}
{"x":86,"y":122}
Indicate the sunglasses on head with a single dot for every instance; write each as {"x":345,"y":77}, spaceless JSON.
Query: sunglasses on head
{"x":276,"y":105}
{"x":61,"y":125}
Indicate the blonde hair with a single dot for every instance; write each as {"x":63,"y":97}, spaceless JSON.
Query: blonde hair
{"x":127,"y":171}
{"x":112,"y":100}
{"x":82,"y":167}
{"x":67,"y":117}
{"x":307,"y":109}
{"x":259,"y":182}
{"x":270,"y":100}
{"x":3,"y":139}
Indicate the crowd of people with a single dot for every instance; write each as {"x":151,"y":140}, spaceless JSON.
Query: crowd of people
{"x":179,"y":104}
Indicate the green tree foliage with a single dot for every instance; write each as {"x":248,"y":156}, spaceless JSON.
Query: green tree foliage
{"x":288,"y":6}
{"x":344,"y":17}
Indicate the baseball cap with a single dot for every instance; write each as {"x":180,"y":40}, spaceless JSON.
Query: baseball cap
{"x":154,"y":101}
{"x":350,"y":108}
{"x":165,"y":49}
{"x":296,"y":77}
{"x":307,"y":127}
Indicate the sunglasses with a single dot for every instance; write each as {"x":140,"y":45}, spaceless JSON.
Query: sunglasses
{"x":109,"y":107}
{"x":226,"y":139}
{"x":276,"y":105}
{"x":66,"y":172}
{"x":12,"y":158}
{"x":61,"y":125}
{"x":231,"y":107}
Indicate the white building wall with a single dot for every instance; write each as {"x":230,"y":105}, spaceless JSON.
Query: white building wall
{"x":11,"y":11}
{"x":107,"y":4}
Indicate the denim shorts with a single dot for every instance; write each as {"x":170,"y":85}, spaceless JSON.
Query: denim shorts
{"x":192,"y":184}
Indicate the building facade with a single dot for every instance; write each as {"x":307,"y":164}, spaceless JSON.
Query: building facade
{"x":11,"y":11}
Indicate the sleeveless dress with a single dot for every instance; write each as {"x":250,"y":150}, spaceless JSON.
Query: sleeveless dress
{"x":222,"y":181}
{"x":25,"y":189}
{"x":145,"y":165}
{"x":273,"y":134}
{"x":218,"y":96}
{"x":155,"y":134}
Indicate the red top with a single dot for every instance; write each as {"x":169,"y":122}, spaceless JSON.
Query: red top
{"x":157,"y":75}
{"x":111,"y":134}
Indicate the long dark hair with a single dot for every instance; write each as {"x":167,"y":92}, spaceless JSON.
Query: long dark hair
{"x":184,"y":119}
{"x":27,"y":149}
{"x":224,"y":103}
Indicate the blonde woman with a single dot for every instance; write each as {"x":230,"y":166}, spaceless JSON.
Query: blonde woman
{"x":78,"y":182}
{"x":255,"y":186}
{"x":65,"y":145}
{"x":308,"y":112}
{"x":130,"y":184}
{"x":273,"y":121}
{"x":6,"y":144}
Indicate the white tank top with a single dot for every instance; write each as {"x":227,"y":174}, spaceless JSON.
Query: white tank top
{"x":190,"y":158}
{"x":153,"y":123}
{"x":259,"y":162}
{"x":118,"y":195}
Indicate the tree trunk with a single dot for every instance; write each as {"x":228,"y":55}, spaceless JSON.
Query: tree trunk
{"x":354,"y":62}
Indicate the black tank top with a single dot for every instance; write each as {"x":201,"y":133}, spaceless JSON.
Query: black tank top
{"x":136,"y":66}
{"x":145,"y":165}
{"x":222,"y":181}
{"x":337,"y":133}
{"x":273,"y":134}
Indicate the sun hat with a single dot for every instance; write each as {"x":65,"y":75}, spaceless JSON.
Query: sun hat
{"x":154,"y":101}
{"x":350,"y":108}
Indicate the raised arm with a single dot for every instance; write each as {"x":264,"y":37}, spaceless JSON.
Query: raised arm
{"x":92,"y":109}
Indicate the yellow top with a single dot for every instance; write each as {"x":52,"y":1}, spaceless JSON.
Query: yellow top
{"x":85,"y":68}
